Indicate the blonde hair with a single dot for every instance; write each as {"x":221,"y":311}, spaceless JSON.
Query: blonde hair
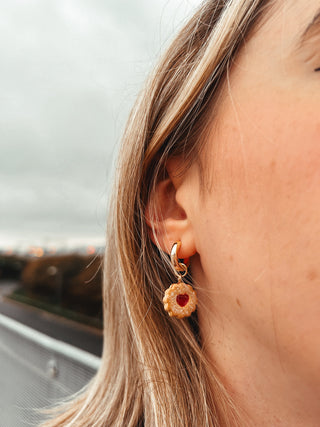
{"x":154,"y":371}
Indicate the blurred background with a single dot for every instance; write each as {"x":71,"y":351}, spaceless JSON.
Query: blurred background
{"x":70,"y":71}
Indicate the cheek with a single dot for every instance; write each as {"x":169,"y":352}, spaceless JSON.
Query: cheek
{"x":292,"y":192}
{"x":264,"y":214}
{"x":281,"y":165}
{"x":268,"y":171}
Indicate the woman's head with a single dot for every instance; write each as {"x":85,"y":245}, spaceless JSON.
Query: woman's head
{"x":220,"y":153}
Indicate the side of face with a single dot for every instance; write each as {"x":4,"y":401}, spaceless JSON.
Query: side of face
{"x":257,"y":229}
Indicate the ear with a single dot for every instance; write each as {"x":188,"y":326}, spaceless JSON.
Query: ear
{"x":169,"y":221}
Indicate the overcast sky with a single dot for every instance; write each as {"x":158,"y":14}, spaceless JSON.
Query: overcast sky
{"x":69,"y":73}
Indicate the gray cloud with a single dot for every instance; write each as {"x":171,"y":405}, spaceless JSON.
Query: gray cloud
{"x":69,"y":72}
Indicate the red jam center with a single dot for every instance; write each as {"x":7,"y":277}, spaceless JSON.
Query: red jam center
{"x":182,"y":299}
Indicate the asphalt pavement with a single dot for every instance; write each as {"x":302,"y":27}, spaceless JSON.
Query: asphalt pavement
{"x":73,"y":333}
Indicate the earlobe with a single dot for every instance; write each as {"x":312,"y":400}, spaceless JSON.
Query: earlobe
{"x":168,"y":221}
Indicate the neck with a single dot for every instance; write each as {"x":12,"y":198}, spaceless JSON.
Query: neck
{"x":262,"y":383}
{"x":271,"y":386}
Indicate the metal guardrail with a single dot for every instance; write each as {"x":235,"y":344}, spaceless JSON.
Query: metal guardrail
{"x":37,"y":371}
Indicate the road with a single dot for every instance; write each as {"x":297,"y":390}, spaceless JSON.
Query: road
{"x":83,"y":337}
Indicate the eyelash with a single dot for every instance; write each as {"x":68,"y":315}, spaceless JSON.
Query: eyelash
{"x":317,"y":69}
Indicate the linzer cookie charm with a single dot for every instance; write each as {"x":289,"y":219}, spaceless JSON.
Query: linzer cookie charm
{"x":180,"y":300}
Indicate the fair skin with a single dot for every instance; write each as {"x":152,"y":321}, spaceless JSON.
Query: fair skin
{"x":253,"y":236}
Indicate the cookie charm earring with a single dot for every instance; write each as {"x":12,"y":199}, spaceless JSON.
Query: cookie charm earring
{"x":180,"y":299}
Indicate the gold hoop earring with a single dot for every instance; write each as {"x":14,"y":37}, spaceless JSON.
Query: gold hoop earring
{"x":180,"y":299}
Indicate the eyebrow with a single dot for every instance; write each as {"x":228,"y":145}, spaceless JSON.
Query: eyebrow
{"x":313,"y":29}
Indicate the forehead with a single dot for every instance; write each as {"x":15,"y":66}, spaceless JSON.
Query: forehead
{"x":273,"y":46}
{"x":288,"y":23}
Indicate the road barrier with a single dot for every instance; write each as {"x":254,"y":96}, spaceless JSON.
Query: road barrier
{"x":36,"y":372}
